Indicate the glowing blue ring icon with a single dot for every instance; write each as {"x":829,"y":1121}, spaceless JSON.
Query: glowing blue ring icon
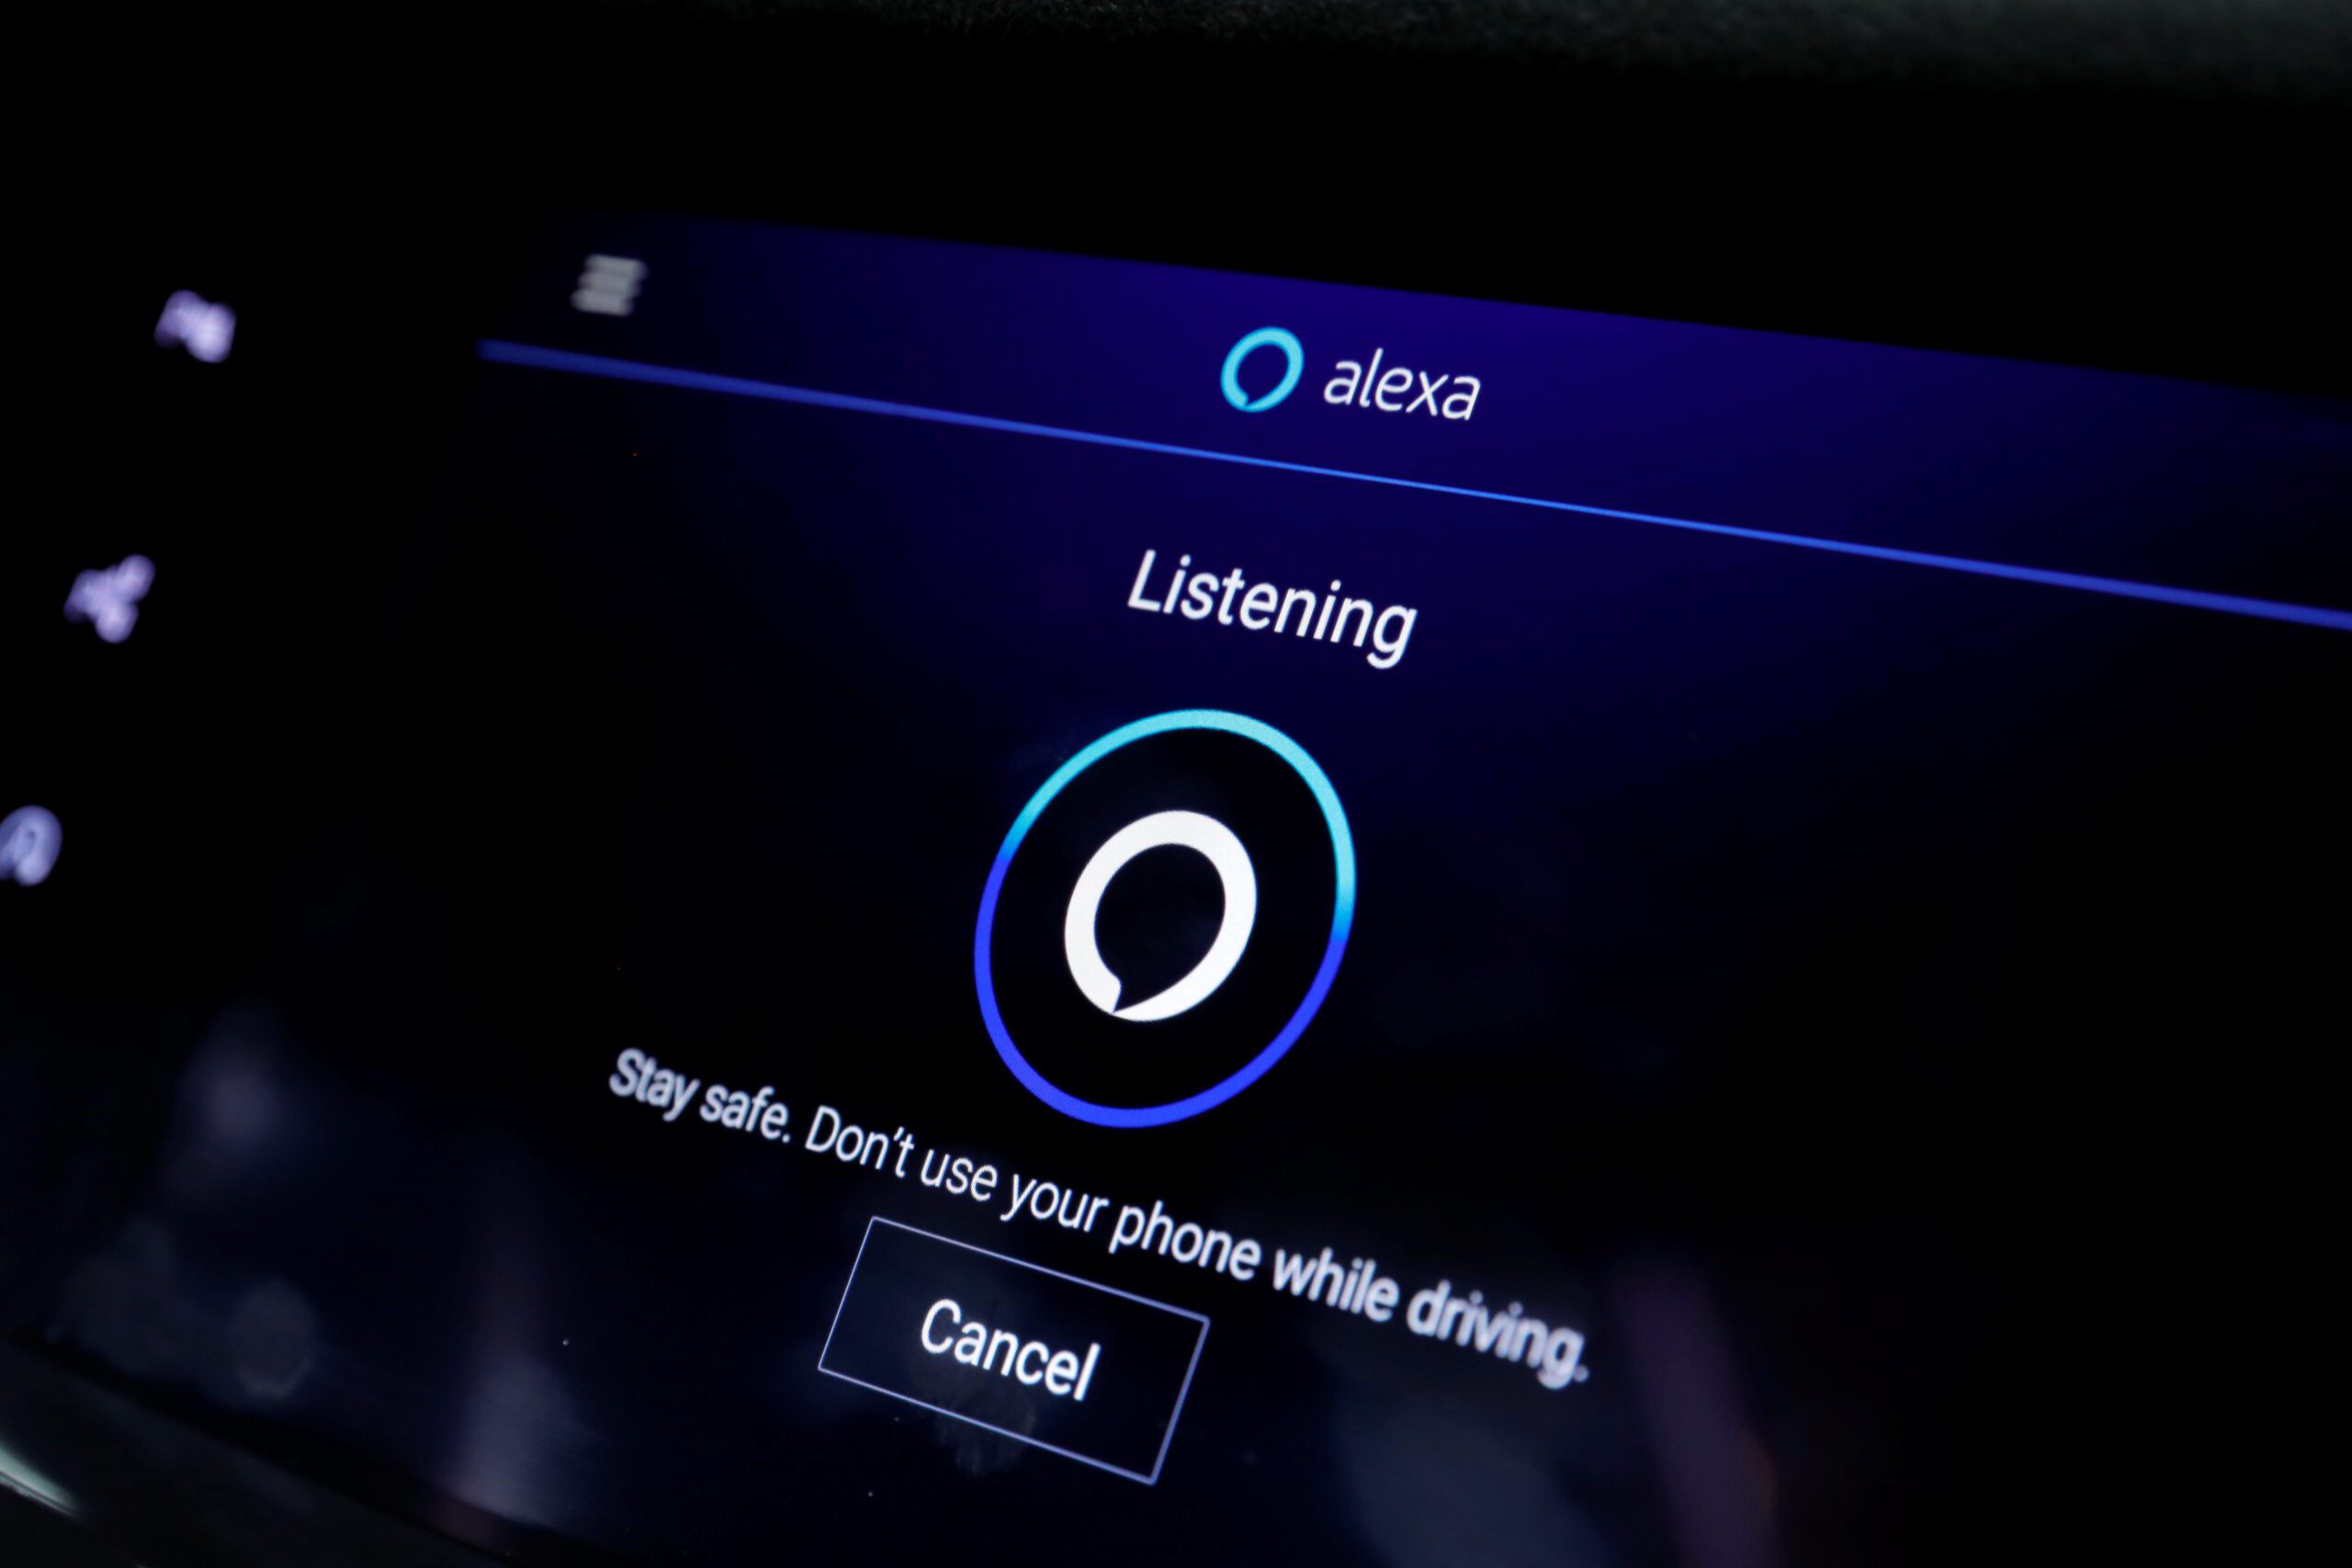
{"x":1264,"y":337}
{"x":1343,"y":912}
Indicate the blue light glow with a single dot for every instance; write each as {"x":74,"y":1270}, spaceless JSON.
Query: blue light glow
{"x":1343,"y":912}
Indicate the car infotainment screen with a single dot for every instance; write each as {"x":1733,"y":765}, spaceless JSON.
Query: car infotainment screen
{"x":945,"y":904}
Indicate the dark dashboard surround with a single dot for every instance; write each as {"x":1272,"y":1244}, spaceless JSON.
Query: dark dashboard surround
{"x":2144,"y":187}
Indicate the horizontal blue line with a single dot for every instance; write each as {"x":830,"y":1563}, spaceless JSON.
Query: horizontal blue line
{"x":702,"y":381}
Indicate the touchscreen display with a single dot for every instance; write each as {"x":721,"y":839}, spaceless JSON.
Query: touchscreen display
{"x":943,"y":904}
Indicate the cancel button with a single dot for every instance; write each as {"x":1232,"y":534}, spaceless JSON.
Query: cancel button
{"x":1045,"y":1358}
{"x":977,"y":1345}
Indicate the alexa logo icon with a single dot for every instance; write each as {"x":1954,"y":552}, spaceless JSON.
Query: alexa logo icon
{"x":1238,"y":359}
{"x":1164,"y":919}
{"x":1373,"y":383}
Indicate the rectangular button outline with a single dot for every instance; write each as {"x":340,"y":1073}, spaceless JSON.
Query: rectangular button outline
{"x":1174,"y":1414}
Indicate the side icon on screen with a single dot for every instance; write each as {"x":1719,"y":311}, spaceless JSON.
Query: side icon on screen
{"x":29,"y":840}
